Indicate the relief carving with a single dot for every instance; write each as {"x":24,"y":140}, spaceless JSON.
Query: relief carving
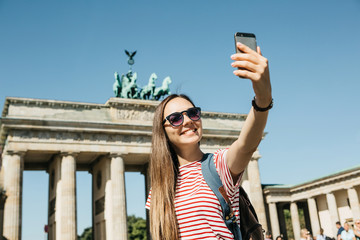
{"x":138,"y":114}
{"x":52,"y":137}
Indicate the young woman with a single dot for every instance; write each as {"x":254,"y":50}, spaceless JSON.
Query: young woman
{"x":181,"y":204}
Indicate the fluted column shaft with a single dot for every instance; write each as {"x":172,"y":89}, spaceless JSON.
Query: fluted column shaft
{"x":354,"y":202}
{"x":314,"y":218}
{"x":275,"y":227}
{"x":295,"y":220}
{"x":256,"y":194}
{"x":68,"y":197}
{"x":119,"y":198}
{"x":334,"y":216}
{"x":13,"y":164}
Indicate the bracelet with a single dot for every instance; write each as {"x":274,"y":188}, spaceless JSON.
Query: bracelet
{"x":259,"y":109}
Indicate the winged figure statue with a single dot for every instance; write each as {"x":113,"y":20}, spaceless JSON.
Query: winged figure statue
{"x":131,"y":57}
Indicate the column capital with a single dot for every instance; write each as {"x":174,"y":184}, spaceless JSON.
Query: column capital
{"x":256,"y":156}
{"x":20,"y":153}
{"x":329,"y":193}
{"x":349,"y":187}
{"x":115,"y":154}
{"x":69,"y":153}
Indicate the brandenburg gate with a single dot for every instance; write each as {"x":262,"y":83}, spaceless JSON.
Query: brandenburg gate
{"x":105,"y":139}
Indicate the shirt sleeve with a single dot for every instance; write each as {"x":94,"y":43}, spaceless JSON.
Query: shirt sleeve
{"x":224,"y":173}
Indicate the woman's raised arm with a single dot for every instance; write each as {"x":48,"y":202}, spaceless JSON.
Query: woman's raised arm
{"x":251,"y":65}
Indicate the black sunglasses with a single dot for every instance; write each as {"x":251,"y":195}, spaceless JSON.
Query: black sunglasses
{"x":177,"y":118}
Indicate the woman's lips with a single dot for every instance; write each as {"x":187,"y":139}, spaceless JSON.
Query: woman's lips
{"x":189,"y":131}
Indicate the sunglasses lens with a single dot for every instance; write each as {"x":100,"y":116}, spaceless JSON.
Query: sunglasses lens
{"x":194,"y":114}
{"x":176,"y":119}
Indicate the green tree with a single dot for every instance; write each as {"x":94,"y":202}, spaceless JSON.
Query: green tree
{"x":136,"y":228}
{"x":288,"y":222}
{"x":87,"y":234}
{"x":302,"y":218}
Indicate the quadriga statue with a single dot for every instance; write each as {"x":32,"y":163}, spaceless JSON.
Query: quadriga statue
{"x":117,"y":85}
{"x":128,"y":84}
{"x":148,"y":91}
{"x":163,"y":90}
{"x":126,"y":87}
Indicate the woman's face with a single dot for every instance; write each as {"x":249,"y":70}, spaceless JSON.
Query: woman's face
{"x":189,"y":132}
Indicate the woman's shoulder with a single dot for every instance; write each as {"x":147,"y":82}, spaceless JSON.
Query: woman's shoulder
{"x":220,"y":152}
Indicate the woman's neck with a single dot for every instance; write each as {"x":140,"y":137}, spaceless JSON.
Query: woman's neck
{"x":189,"y":154}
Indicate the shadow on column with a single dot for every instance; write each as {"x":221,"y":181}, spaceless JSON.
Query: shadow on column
{"x":285,"y":221}
{"x":304,"y":216}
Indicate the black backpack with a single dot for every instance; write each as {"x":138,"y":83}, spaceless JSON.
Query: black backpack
{"x":249,"y":224}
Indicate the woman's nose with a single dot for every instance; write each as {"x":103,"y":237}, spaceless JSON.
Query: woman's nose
{"x":187,"y":120}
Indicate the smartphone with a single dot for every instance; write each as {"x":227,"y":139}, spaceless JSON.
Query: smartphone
{"x":247,"y":39}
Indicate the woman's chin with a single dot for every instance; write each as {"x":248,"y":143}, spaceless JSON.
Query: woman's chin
{"x":189,"y":140}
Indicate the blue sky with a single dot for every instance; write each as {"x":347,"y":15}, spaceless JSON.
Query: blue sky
{"x":69,"y":50}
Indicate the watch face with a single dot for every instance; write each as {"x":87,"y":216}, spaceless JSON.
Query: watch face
{"x":98,"y":180}
{"x":52,"y":179}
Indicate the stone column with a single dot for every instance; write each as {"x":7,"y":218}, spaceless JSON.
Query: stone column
{"x":334,"y":216}
{"x":256,"y":193}
{"x":295,"y":220}
{"x":119,"y":198}
{"x":68,"y":197}
{"x":354,"y":202}
{"x":314,"y":218}
{"x":245,"y":182}
{"x":146,"y":174}
{"x":274,"y":219}
{"x":13,"y":164}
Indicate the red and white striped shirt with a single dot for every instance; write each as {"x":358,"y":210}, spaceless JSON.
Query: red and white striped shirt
{"x":198,"y":210}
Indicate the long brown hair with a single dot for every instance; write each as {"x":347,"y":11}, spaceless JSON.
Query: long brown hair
{"x":164,"y":168}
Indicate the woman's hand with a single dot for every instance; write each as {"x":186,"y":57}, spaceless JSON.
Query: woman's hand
{"x":254,"y":66}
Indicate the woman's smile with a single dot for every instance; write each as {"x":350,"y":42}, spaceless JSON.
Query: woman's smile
{"x":189,"y":132}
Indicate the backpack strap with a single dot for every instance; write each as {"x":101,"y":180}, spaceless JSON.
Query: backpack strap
{"x":212,"y":179}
